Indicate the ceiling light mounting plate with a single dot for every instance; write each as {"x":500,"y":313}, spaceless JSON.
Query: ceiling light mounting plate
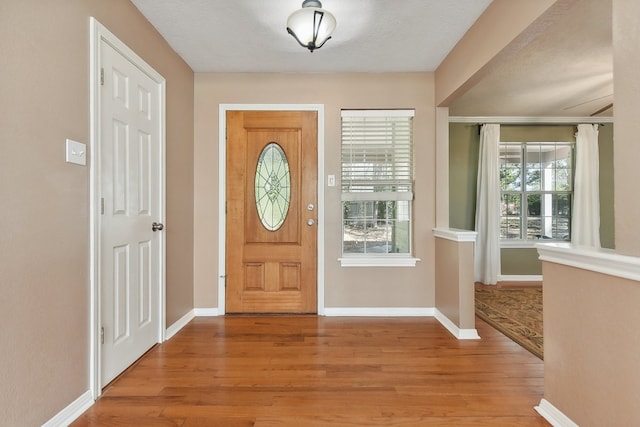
{"x":312,"y":3}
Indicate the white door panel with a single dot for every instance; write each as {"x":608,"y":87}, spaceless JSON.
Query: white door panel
{"x":130,"y":176}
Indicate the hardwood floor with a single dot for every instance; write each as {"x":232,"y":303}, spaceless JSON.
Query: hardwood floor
{"x":268,"y":371}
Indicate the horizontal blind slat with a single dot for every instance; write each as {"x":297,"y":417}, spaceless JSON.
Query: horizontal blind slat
{"x":392,"y":196}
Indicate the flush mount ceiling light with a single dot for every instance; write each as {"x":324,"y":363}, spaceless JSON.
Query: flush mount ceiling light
{"x":311,"y":26}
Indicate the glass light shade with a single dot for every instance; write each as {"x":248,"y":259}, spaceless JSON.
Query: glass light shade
{"x":311,"y":26}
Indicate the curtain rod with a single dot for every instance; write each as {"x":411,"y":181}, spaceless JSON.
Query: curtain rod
{"x":542,"y":121}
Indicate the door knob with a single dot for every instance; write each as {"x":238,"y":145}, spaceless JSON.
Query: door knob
{"x":157,"y":226}
{"x":310,"y":222}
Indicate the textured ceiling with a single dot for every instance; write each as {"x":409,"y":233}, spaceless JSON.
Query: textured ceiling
{"x":565,"y":71}
{"x":371,"y":35}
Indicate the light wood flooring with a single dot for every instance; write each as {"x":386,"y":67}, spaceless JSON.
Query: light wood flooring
{"x":268,"y":371}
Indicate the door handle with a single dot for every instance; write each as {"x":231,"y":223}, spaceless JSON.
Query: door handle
{"x":157,"y":226}
{"x":310,"y":222}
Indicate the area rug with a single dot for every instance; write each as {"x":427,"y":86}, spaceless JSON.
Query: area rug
{"x":517,"y":313}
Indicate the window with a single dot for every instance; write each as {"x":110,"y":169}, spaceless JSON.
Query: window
{"x":377,"y":183}
{"x":536,"y":190}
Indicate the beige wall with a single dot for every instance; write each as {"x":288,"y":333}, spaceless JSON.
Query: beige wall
{"x":344,"y":287}
{"x":44,"y":221}
{"x":591,"y":346}
{"x":626,"y":62}
{"x":454,"y":282}
{"x":504,"y":27}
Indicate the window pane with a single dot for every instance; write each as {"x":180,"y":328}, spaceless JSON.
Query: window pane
{"x":510,"y":227}
{"x":400,"y":225}
{"x":355,"y":222}
{"x":534,"y":227}
{"x":376,"y":227}
{"x":510,"y":204}
{"x":562,"y":204}
{"x":510,"y":167}
{"x":562,"y":228}
{"x":534,"y":159}
{"x":541,"y":206}
{"x":510,"y":221}
{"x":563,"y":168}
{"x":533,"y":205}
{"x":562,"y":216}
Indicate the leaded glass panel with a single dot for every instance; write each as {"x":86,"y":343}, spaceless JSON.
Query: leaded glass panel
{"x":272,"y":187}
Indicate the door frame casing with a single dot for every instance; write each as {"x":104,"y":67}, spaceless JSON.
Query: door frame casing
{"x":99,"y":34}
{"x":222,"y":192}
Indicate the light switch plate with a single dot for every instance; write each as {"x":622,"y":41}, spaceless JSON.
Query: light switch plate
{"x":331,"y":180}
{"x":76,"y":152}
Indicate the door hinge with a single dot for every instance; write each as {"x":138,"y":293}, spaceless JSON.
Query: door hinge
{"x":102,"y":206}
{"x":101,"y":76}
{"x":102,"y":335}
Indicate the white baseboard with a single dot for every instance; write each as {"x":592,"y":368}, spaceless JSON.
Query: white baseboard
{"x":206,"y":312}
{"x":379,"y":311}
{"x":461,"y":334}
{"x":179,"y":324}
{"x":71,"y":412}
{"x":553,"y":415}
{"x":520,"y":278}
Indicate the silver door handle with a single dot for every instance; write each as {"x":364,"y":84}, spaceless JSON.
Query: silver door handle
{"x":310,"y":222}
{"x":157,"y":226}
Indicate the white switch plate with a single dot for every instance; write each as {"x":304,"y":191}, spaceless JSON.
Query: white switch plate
{"x":331,"y":180}
{"x":76,"y":152}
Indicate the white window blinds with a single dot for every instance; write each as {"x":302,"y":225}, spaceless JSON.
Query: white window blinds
{"x":377,"y":155}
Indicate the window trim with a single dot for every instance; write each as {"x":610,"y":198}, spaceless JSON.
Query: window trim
{"x":377,"y":259}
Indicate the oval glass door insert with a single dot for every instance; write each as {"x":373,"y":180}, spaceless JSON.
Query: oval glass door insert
{"x":272,"y":187}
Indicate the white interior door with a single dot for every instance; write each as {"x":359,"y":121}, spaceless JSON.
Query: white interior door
{"x":131,"y":195}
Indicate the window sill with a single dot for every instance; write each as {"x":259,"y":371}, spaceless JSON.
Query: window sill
{"x":523,"y":244}
{"x":378,"y":261}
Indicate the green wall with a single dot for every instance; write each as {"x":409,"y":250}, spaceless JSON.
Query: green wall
{"x":464,"y":144}
{"x":520,"y":262}
{"x":607,"y":220}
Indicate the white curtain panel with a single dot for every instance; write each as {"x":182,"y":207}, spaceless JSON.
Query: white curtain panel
{"x":585,"y":223}
{"x":487,"y":248}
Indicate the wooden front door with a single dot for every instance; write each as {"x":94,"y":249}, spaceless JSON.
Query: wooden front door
{"x":271,"y":238}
